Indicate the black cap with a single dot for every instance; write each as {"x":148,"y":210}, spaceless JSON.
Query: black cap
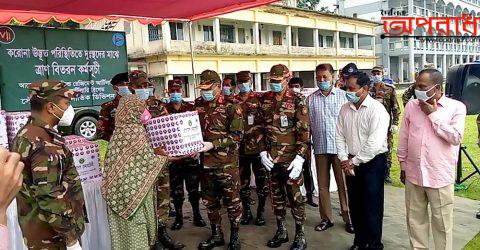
{"x":349,"y":69}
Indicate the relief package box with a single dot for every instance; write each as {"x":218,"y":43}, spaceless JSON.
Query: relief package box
{"x":74,"y":139}
{"x":178,"y":134}
{"x":3,"y":130}
{"x":15,"y":121}
{"x":86,"y":157}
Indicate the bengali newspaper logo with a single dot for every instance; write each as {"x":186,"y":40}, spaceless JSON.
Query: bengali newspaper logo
{"x":447,"y":29}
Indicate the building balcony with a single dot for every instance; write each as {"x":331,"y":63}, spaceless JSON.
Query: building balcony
{"x":307,"y":51}
{"x":273,"y":49}
{"x":365,"y":52}
{"x":328,"y":51}
{"x":347,"y":52}
{"x":237,"y":49}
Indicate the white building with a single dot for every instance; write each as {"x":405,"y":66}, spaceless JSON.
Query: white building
{"x":403,"y":56}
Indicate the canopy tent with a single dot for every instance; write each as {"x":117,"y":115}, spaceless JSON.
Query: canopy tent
{"x":146,"y":11}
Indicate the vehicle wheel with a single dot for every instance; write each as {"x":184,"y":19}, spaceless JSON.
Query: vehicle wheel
{"x":86,"y":127}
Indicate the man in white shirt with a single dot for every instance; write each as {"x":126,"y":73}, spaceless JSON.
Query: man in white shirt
{"x":361,"y":139}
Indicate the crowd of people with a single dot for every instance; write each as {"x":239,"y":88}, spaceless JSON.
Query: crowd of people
{"x":348,"y":124}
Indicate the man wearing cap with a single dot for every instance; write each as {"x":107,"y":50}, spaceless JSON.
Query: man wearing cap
{"x":252,"y":144}
{"x":183,"y":170}
{"x":229,"y":87}
{"x":106,"y":121}
{"x":384,"y":91}
{"x":51,"y":208}
{"x":287,"y":136}
{"x":222,"y":126}
{"x":141,"y":86}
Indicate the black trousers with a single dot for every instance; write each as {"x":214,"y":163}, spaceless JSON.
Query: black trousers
{"x":307,"y":178}
{"x":366,"y":195}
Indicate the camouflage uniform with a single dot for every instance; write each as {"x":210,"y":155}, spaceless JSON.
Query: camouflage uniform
{"x":186,"y":170}
{"x":407,"y":95}
{"x":106,"y":121}
{"x":51,"y":208}
{"x":221,"y":122}
{"x":385,"y":94}
{"x":252,"y":144}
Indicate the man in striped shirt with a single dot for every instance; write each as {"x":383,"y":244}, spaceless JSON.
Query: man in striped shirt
{"x":324,"y":106}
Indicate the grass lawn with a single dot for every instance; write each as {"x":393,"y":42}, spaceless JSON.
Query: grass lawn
{"x":470,"y":189}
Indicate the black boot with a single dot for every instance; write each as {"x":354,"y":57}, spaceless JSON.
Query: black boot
{"x":178,"y":223}
{"x":234,"y":239}
{"x":171,"y":211}
{"x":197,"y":217}
{"x":299,"y":243}
{"x":388,"y":179}
{"x":247,"y":213}
{"x":281,"y":236}
{"x":216,"y":240}
{"x":310,"y":200}
{"x":166,"y":241}
{"x":260,"y":212}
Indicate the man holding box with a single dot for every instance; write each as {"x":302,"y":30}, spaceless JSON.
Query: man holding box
{"x":222,"y":128}
{"x":51,"y":207}
{"x":184,"y":170}
{"x":252,"y":144}
{"x":140,"y":86}
{"x":286,"y":122}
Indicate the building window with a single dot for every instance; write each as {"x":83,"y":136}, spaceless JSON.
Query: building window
{"x":321,"y":44}
{"x":277,"y":37}
{"x":154,"y":32}
{"x":227,"y":34}
{"x":207,"y":33}
{"x":329,"y":41}
{"x":176,"y":31}
{"x":241,"y":35}
{"x":343,"y":42}
{"x":294,"y":41}
{"x":252,"y":39}
{"x":350,"y":42}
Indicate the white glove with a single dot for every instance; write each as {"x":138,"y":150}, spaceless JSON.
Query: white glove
{"x":207,"y":146}
{"x":296,"y":167}
{"x":75,"y":247}
{"x":267,"y":160}
{"x":394,"y":129}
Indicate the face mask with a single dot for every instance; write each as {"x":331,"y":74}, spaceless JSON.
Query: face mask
{"x":352,"y":96}
{"x":67,"y":117}
{"x":276,"y":87}
{"x":123,"y":90}
{"x":151,"y":90}
{"x":227,"y":91}
{"x":142,"y":93}
{"x":296,"y":90}
{"x":146,"y":116}
{"x":244,"y":87}
{"x":422,"y":95}
{"x":324,"y":85}
{"x":207,"y":95}
{"x":176,"y":97}
{"x":377,"y":78}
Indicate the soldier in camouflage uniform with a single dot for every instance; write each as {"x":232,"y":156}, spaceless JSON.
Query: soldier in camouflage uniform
{"x":51,"y":208}
{"x":252,"y":144}
{"x":383,"y":91}
{"x":229,"y":87}
{"x":184,"y":170}
{"x":287,"y":129}
{"x":408,"y":94}
{"x":222,"y":127}
{"x":141,"y":86}
{"x":106,"y":121}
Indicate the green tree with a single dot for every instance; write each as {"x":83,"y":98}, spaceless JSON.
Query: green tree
{"x":307,"y":4}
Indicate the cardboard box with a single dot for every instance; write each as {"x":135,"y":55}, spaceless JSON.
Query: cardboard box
{"x":178,"y":134}
{"x":86,"y":157}
{"x":15,"y":121}
{"x":74,"y":139}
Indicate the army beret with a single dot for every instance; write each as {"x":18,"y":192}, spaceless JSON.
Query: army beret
{"x":349,"y":69}
{"x":46,"y":89}
{"x":278,"y":71}
{"x":378,"y":68}
{"x":243,"y":76}
{"x":207,"y":78}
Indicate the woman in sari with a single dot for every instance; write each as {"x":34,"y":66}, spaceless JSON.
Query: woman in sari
{"x":131,"y":171}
